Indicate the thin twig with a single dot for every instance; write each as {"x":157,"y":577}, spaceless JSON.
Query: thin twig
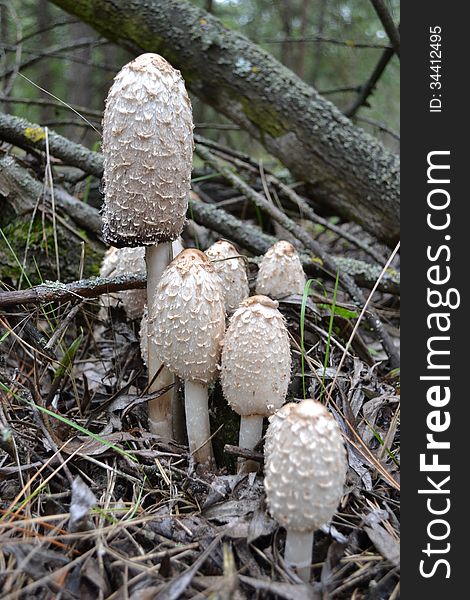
{"x":367,"y":89}
{"x":53,"y":25}
{"x":324,"y":39}
{"x":379,"y":125}
{"x":59,"y":105}
{"x":73,"y":45}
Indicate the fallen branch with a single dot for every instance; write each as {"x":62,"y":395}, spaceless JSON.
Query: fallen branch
{"x":54,"y":291}
{"x":23,"y":191}
{"x":244,"y":453}
{"x":31,"y":136}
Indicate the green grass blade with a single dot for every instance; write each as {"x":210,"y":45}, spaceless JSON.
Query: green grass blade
{"x":17,"y":260}
{"x":330,"y":329}
{"x":76,"y":426}
{"x":302,"y":331}
{"x":68,"y":358}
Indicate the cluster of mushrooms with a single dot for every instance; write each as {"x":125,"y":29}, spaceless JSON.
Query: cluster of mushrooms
{"x":148,"y":149}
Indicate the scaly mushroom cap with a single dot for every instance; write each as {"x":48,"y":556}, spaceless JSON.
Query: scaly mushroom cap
{"x":148,"y":148}
{"x":305,"y":466}
{"x":123,"y":261}
{"x":231,"y":272}
{"x":256,"y":360}
{"x":280,"y":272}
{"x":189,"y":317}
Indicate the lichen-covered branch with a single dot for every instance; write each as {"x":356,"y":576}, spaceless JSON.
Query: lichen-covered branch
{"x":53,"y":291}
{"x":31,"y":136}
{"x":345,"y":168}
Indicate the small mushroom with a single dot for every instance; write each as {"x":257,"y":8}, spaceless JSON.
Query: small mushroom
{"x":232,"y":272}
{"x":122,"y":261}
{"x":187,"y":326}
{"x":305,"y":470}
{"x":256,"y":366}
{"x":147,"y":149}
{"x":280,"y":272}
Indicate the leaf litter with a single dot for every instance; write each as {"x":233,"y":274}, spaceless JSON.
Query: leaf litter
{"x":111,"y":511}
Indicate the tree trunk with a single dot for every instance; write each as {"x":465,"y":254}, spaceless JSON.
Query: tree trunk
{"x":304,"y":13}
{"x":45,"y":74}
{"x":285,"y":14}
{"x":346,"y":169}
{"x":80,"y":80}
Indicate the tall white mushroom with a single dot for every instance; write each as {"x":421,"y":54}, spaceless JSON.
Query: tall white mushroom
{"x":305,"y":470}
{"x":280,"y":272}
{"x":148,"y":149}
{"x":187,"y":326}
{"x":256,"y":366}
{"x":232,"y":272}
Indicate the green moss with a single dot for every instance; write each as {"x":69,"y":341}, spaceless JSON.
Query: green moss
{"x":266,"y":118}
{"x":38,"y":238}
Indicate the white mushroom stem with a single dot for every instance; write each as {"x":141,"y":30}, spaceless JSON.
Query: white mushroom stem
{"x":196,"y":402}
{"x":159,"y":410}
{"x":298,"y":552}
{"x":251,"y":431}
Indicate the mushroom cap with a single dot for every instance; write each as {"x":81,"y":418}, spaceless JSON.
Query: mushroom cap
{"x":147,"y":148}
{"x":122,"y":261}
{"x":305,"y":466}
{"x":256,"y":360}
{"x":231,"y":272}
{"x":188,"y":320}
{"x":280,"y":272}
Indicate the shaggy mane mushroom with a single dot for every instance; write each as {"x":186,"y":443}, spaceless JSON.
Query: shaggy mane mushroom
{"x":187,"y":328}
{"x":256,"y":366}
{"x":280,"y":272}
{"x":148,"y":149}
{"x":305,"y":471}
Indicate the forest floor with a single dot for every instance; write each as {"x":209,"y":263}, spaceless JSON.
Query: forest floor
{"x":95,"y":506}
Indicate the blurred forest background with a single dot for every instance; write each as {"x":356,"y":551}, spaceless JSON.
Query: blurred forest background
{"x":334,"y":45}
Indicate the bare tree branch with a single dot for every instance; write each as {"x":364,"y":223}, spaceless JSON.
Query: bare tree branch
{"x":64,"y":292}
{"x":389,"y":26}
{"x":88,"y":112}
{"x":48,"y":52}
{"x":315,"y":39}
{"x":367,"y":89}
